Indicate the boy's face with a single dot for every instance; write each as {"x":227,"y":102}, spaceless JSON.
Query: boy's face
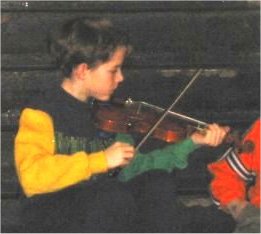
{"x":105,"y":77}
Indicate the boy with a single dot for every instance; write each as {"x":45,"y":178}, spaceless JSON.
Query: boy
{"x":61,"y":163}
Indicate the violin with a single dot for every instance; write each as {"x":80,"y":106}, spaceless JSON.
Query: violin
{"x":139,"y":117}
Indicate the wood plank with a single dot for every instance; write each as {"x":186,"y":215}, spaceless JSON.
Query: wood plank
{"x":216,"y":90}
{"x":219,"y":34}
{"x":126,"y":6}
{"x":31,"y":62}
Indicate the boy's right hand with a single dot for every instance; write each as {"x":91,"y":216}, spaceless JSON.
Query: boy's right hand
{"x":119,"y":154}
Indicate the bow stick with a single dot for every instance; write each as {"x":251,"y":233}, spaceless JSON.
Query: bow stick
{"x":194,"y":77}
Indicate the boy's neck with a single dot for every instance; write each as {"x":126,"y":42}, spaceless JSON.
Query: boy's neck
{"x":74,"y":89}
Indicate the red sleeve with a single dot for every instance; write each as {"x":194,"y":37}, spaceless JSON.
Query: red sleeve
{"x":228,"y":183}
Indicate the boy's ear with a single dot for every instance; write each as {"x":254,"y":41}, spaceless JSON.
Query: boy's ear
{"x":80,"y":70}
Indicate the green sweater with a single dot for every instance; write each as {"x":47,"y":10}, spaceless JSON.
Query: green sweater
{"x":168,"y":158}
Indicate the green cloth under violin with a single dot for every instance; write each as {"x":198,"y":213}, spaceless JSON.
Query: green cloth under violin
{"x":168,"y":158}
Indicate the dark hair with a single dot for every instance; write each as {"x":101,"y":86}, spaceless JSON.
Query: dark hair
{"x":85,"y":40}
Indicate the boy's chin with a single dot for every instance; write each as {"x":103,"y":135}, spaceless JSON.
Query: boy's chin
{"x":104,"y":98}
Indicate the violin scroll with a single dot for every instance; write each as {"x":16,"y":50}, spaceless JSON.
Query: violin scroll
{"x":246,"y":147}
{"x":234,"y":138}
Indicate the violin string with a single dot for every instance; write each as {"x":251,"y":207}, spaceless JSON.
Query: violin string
{"x":167,"y":110}
{"x":178,"y":115}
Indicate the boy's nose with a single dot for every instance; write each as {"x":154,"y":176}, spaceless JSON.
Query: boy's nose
{"x":120,"y":77}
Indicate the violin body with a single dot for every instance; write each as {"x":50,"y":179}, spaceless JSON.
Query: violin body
{"x":139,"y":117}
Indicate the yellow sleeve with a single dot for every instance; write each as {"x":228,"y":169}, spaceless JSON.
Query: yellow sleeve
{"x":39,"y":169}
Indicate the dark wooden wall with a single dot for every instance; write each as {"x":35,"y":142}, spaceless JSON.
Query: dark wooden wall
{"x":171,"y":41}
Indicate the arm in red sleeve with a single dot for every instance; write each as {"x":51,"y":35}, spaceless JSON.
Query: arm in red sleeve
{"x":226,"y":184}
{"x":232,"y":173}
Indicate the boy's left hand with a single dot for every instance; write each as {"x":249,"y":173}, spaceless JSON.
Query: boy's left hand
{"x":213,"y":136}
